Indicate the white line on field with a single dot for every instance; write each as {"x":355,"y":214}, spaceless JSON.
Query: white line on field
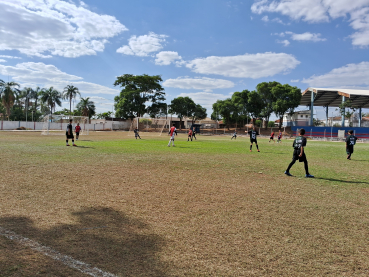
{"x":47,"y":251}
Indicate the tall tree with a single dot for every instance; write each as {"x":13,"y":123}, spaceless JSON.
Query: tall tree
{"x":87,"y":107}
{"x":287,"y":98}
{"x":137,"y":92}
{"x":51,"y":97}
{"x":198,"y":113}
{"x":182,"y":106}
{"x":226,"y":109}
{"x":158,"y":110}
{"x":8,"y":94}
{"x":27,"y":94}
{"x":70,"y":93}
{"x":255,"y":104}
{"x":265,"y":91}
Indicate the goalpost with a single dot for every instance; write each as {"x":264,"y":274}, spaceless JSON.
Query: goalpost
{"x":144,"y":124}
{"x":57,"y":124}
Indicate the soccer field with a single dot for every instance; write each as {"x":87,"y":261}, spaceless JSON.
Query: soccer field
{"x":203,"y":208}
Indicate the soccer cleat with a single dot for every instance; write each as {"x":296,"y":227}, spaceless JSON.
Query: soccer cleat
{"x":68,"y":145}
{"x":258,"y":150}
{"x":309,"y":176}
{"x":250,"y":150}
{"x":287,"y":173}
{"x":74,"y":144}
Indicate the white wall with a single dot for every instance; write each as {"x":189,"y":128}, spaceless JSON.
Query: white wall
{"x":12,"y":125}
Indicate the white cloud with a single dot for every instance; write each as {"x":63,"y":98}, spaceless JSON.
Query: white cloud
{"x":295,"y":81}
{"x":265,"y":18}
{"x":43,"y":28}
{"x":9,"y":57}
{"x":285,"y":42}
{"x":306,"y":36}
{"x":2,"y":61}
{"x":168,"y":57}
{"x":43,"y":75}
{"x":348,"y":75}
{"x":143,"y":45}
{"x":316,"y":11}
{"x":203,"y":83}
{"x":245,"y":66}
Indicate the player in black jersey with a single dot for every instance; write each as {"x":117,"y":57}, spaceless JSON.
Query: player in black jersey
{"x":69,"y":133}
{"x":234,"y":135}
{"x":350,"y":142}
{"x":299,"y":154}
{"x":253,"y":133}
{"x":136,"y":131}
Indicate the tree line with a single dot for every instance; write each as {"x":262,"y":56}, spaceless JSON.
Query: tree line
{"x":143,"y":94}
{"x":33,"y":103}
{"x":268,"y":98}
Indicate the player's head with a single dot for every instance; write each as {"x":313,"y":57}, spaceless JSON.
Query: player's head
{"x":253,"y":127}
{"x":351,"y":132}
{"x":302,"y":132}
{"x":174,"y":124}
{"x":70,"y":120}
{"x":78,"y":124}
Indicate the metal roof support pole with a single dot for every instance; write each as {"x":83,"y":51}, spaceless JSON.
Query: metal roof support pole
{"x":312,"y":109}
{"x":343,"y":112}
{"x":360,"y":117}
{"x":326,"y":115}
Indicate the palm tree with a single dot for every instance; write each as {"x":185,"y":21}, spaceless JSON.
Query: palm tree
{"x":27,"y":94}
{"x":70,"y":93}
{"x":8,"y":93}
{"x":51,"y":97}
{"x":87,"y":107}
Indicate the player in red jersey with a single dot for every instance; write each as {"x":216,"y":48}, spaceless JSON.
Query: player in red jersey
{"x":77,"y":129}
{"x":189,"y":135}
{"x":279,"y":137}
{"x":172,"y":132}
{"x":272,"y":137}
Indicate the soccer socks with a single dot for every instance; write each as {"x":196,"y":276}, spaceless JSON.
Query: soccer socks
{"x":250,"y":147}
{"x":290,"y":165}
{"x":257,"y":147}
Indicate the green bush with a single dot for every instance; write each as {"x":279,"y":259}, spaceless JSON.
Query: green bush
{"x":146,"y":121}
{"x":271,"y":124}
{"x":258,"y":123}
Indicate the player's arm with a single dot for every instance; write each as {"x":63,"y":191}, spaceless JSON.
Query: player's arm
{"x":301,"y":151}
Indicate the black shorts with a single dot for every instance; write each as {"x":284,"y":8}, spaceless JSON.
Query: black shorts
{"x":77,"y":133}
{"x":296,"y":154}
{"x":254,"y":140}
{"x":272,"y":138}
{"x":69,"y":136}
{"x":350,"y":149}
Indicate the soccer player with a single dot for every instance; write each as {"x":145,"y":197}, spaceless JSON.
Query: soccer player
{"x":350,"y":142}
{"x":234,"y":135}
{"x":279,"y":137}
{"x":253,"y":133}
{"x":172,"y":132}
{"x":194,"y":134}
{"x":299,"y":154}
{"x":189,"y":135}
{"x":77,"y":129}
{"x":272,"y":137}
{"x":136,"y":133}
{"x":69,"y":133}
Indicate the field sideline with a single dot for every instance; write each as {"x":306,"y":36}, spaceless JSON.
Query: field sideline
{"x":203,"y":208}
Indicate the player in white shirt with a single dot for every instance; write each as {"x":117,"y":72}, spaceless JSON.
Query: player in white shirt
{"x":172,"y":133}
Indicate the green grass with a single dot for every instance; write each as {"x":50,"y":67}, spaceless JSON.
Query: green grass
{"x":203,"y":208}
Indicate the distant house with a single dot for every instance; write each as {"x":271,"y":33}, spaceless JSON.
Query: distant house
{"x":300,"y":118}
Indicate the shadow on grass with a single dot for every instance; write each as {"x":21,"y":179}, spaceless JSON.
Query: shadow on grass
{"x":342,"y":181}
{"x":102,"y":237}
{"x":81,"y":146}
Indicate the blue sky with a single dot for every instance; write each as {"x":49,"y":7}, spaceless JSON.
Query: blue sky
{"x":205,"y":49}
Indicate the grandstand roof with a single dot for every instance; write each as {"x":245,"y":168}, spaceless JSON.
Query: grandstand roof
{"x":332,"y":97}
